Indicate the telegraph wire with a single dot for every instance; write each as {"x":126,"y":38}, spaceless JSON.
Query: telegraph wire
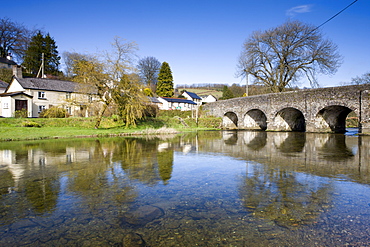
{"x":331,"y":18}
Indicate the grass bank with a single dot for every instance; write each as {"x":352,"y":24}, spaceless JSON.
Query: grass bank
{"x":14,"y":129}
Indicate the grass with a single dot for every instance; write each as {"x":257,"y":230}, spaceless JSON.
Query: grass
{"x":14,"y":129}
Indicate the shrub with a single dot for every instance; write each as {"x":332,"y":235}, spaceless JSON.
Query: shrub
{"x":174,"y":113}
{"x":31,"y":124}
{"x":21,"y":113}
{"x":151,"y":111}
{"x":54,"y":112}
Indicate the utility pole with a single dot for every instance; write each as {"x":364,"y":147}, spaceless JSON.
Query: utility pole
{"x":246,"y":86}
{"x":42,"y":67}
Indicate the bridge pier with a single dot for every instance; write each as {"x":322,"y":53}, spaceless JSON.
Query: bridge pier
{"x":364,"y":117}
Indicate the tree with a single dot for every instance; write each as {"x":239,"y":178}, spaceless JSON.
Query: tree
{"x":70,"y":60}
{"x":39,"y":45}
{"x":226,"y":93}
{"x":165,"y":81}
{"x":6,"y":75}
{"x":111,"y":78}
{"x":130,"y":99}
{"x":279,"y":57}
{"x":364,"y":79}
{"x":237,"y":90}
{"x":148,"y":71}
{"x":14,"y":38}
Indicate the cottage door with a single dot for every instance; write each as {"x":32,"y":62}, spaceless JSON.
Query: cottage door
{"x":20,"y":104}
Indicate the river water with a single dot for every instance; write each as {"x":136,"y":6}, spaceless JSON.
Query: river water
{"x":211,"y":188}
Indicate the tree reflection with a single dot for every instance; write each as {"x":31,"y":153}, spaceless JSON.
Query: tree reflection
{"x":42,"y":193}
{"x":285,"y":197}
{"x":165,"y":164}
{"x":98,"y":180}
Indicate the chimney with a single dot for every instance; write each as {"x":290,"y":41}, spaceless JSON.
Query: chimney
{"x":9,"y":57}
{"x":17,"y":71}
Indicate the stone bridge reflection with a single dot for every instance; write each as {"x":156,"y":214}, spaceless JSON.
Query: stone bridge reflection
{"x":314,"y":153}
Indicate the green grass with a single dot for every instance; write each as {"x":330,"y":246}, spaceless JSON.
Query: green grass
{"x":12,"y":129}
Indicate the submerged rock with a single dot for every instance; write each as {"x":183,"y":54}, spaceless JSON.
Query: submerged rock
{"x":142,"y":215}
{"x":133,"y":240}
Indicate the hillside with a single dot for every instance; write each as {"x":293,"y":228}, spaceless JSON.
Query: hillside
{"x":203,"y":91}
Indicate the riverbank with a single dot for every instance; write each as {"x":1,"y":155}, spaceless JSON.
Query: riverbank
{"x":17,"y":129}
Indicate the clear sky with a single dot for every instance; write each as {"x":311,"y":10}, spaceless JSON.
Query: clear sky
{"x":200,"y":39}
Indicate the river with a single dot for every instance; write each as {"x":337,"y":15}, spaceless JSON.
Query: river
{"x":209,"y":188}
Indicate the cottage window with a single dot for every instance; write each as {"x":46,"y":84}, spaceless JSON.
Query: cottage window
{"x":6,"y":105}
{"x":68,"y":96}
{"x":41,"y":108}
{"x":41,"y":95}
{"x":69,"y":110}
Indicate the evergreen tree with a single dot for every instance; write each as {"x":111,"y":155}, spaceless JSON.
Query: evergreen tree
{"x":165,"y":81}
{"x":39,"y":45}
{"x":226,"y":93}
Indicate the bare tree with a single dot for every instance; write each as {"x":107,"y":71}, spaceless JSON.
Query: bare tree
{"x":364,"y":79}
{"x":70,"y":60}
{"x":148,"y":70}
{"x":110,"y":77}
{"x":14,"y":38}
{"x":279,"y":57}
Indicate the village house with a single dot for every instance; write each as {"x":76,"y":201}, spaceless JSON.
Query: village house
{"x":36,"y":94}
{"x":176,"y":104}
{"x":208,"y":99}
{"x":193,"y":97}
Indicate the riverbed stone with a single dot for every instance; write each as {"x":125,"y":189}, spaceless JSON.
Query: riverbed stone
{"x":133,"y":240}
{"x":142,"y":215}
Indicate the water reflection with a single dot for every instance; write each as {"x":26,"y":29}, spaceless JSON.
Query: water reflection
{"x":206,"y":183}
{"x":285,"y":197}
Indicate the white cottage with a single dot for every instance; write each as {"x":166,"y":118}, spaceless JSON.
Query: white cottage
{"x":176,"y":104}
{"x":208,"y":99}
{"x":193,"y":97}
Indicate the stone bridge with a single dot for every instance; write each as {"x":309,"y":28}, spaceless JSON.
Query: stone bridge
{"x":311,"y":110}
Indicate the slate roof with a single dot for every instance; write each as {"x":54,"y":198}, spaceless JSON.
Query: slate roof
{"x":177,"y":100}
{"x":3,"y":84}
{"x":47,"y":84}
{"x":7,"y":61}
{"x":154,"y":100}
{"x":193,"y":95}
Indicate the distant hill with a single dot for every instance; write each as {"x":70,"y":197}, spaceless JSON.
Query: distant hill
{"x":203,"y":91}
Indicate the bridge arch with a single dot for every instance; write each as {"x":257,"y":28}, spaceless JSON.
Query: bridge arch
{"x":230,"y":120}
{"x":290,"y":119}
{"x":332,"y":118}
{"x":255,"y":119}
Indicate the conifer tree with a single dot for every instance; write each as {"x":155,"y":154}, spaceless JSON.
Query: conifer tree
{"x":227,"y":93}
{"x":165,"y":81}
{"x":33,"y":58}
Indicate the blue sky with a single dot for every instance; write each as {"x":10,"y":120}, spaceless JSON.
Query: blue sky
{"x":200,"y":39}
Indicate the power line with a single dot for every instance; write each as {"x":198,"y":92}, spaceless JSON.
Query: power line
{"x":331,"y":18}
